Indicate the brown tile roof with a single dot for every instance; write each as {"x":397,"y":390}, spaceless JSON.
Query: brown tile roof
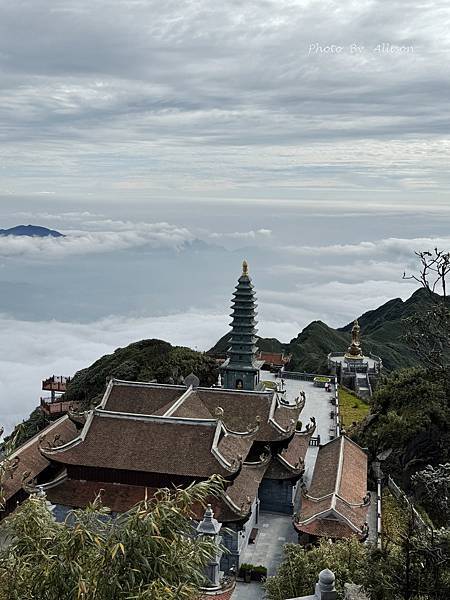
{"x":326,"y":469}
{"x":240,"y":408}
{"x":31,"y":460}
{"x":274,"y":358}
{"x":121,"y":497}
{"x":152,"y":445}
{"x":231,"y":446}
{"x":244,"y":489}
{"x":338,"y":487}
{"x":78,"y":494}
{"x":194,"y":407}
{"x":290,"y":461}
{"x":140,"y":398}
{"x":327,"y":528}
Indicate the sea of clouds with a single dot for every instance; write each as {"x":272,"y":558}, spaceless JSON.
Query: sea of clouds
{"x":110,"y":282}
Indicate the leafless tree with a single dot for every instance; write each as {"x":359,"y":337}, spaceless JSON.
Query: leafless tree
{"x":429,"y":333}
{"x":434,"y":271}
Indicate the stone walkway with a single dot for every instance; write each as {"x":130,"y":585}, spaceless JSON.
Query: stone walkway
{"x":275,"y":530}
{"x":248,"y":591}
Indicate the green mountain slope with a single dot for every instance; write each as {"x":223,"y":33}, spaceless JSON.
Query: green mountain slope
{"x":141,"y":361}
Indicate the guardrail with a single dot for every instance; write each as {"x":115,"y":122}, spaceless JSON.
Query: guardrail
{"x":299,"y":376}
{"x":402,"y":497}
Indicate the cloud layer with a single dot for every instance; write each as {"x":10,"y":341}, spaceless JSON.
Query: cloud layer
{"x":137,"y":99}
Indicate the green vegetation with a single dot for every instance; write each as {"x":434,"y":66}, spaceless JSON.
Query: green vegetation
{"x":299,"y":570}
{"x":271,"y":385}
{"x":432,"y":489}
{"x":142,"y":361}
{"x":394,"y":519}
{"x":411,"y":419}
{"x":412,"y":566}
{"x":146,"y":553}
{"x":257,"y":572}
{"x":322,"y":379}
{"x":352,"y":409}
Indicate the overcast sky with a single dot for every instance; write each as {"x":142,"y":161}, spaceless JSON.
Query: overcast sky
{"x":170,"y":140}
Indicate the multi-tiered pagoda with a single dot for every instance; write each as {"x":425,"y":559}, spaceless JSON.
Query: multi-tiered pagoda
{"x":241,"y":369}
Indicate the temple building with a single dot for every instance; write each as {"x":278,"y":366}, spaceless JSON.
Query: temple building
{"x":336,"y":505}
{"x":144,"y":436}
{"x":355,"y":370}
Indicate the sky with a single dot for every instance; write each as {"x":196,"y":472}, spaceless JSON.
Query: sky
{"x":170,"y":140}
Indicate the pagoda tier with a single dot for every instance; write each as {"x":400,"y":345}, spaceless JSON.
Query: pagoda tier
{"x":241,"y":370}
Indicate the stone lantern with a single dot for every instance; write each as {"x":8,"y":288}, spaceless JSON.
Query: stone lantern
{"x":210,"y":527}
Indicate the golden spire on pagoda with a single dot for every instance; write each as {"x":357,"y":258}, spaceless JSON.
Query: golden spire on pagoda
{"x":245,"y":268}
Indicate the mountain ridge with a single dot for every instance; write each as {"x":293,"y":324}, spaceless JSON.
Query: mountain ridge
{"x":382,"y":331}
{"x":30,"y":231}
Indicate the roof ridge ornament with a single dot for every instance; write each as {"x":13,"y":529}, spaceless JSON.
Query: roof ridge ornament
{"x":245,"y":268}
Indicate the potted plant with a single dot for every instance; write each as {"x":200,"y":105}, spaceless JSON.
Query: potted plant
{"x":320,"y":381}
{"x":259,"y":573}
{"x":245,"y":571}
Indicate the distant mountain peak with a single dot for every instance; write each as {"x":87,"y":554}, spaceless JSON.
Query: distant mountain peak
{"x":30,"y":231}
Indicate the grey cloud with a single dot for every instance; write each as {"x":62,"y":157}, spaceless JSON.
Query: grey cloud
{"x":129,"y":235}
{"x":178,"y":94}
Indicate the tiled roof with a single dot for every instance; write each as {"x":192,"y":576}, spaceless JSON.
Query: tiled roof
{"x":152,"y":445}
{"x":290,"y":461}
{"x":327,"y":528}
{"x":140,"y":398}
{"x":31,"y":460}
{"x":338,"y":489}
{"x":240,"y":408}
{"x":78,"y":494}
{"x":244,"y":488}
{"x":233,"y":505}
{"x":274,"y":358}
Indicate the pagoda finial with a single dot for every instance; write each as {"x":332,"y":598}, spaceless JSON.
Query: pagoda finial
{"x":245,"y":268}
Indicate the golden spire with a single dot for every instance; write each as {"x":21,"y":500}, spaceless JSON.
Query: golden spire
{"x":245,"y":268}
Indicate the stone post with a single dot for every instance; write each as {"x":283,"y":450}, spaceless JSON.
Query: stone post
{"x":210,"y":527}
{"x":325,"y":589}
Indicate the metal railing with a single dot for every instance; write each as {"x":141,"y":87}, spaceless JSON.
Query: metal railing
{"x":403,"y":498}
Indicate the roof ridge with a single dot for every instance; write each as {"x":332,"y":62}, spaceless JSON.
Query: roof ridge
{"x":38,"y":435}
{"x":176,"y":405}
{"x":113,"y":414}
{"x":337,"y":483}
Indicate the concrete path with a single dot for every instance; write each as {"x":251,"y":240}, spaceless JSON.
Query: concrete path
{"x":248,"y":591}
{"x":275,"y":530}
